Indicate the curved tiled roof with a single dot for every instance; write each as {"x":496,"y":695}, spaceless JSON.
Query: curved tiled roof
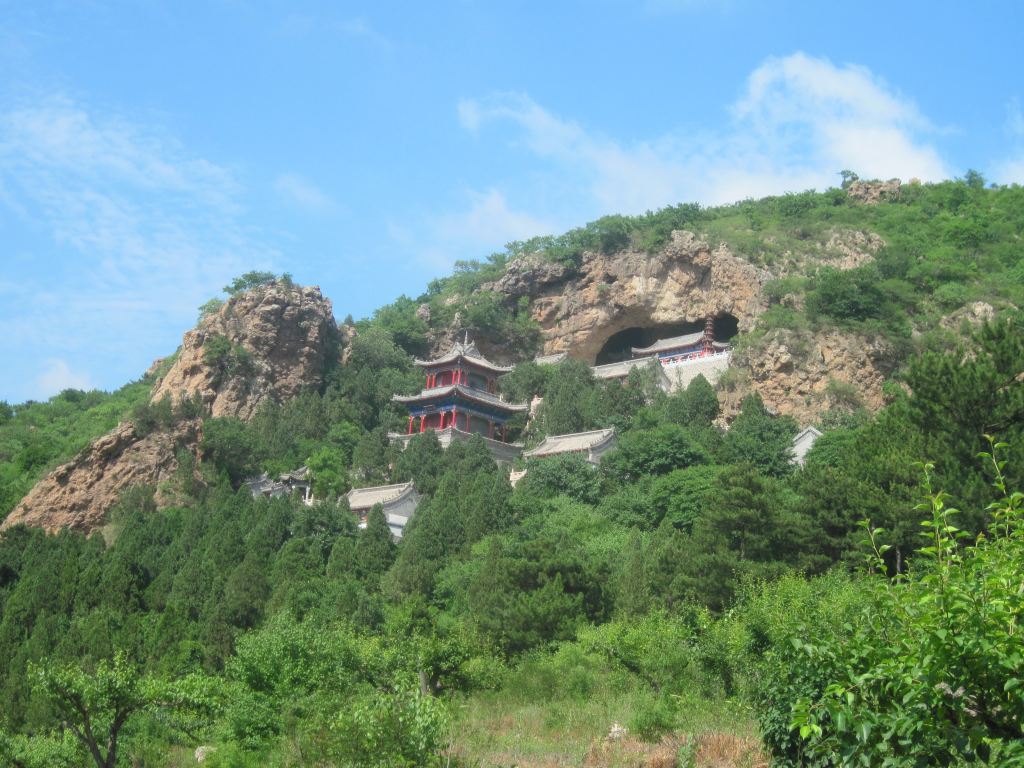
{"x":470,"y":393}
{"x":571,"y":443}
{"x":622,"y":368}
{"x":554,"y":359}
{"x":665,"y":345}
{"x":366,"y":498}
{"x":466,"y":351}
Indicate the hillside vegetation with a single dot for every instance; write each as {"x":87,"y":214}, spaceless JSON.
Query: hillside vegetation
{"x":696,"y":600}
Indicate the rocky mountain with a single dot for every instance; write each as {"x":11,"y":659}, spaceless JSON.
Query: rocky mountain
{"x":822,"y":295}
{"x":268,"y":343}
{"x":688,"y":280}
{"x":79,"y":494}
{"x":271,"y":342}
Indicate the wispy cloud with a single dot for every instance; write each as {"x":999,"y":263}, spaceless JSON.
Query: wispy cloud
{"x":58,"y":376}
{"x":130,"y":231}
{"x":303,"y":193}
{"x":1011,"y":169}
{"x":355,"y":28}
{"x":798,"y":122}
{"x":664,"y":7}
{"x":359,"y":27}
{"x":485,"y":224}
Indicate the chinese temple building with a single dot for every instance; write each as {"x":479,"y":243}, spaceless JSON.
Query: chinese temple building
{"x":620,"y":371}
{"x":686,"y":357}
{"x":803,"y":443}
{"x":460,"y":399}
{"x":398,"y":501}
{"x":591,"y":445}
{"x":287,"y":483}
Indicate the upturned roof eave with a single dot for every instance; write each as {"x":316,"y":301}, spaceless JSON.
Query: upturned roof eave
{"x":479,"y":362}
{"x":457,"y":389}
{"x":674,"y":342}
{"x":549,"y":446}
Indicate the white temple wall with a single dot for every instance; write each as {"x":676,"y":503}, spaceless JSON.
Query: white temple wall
{"x":681,"y":374}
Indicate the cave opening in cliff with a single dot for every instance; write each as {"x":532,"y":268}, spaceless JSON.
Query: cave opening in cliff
{"x":619,"y":346}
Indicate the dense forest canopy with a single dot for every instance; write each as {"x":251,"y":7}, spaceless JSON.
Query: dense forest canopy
{"x":697,"y":569}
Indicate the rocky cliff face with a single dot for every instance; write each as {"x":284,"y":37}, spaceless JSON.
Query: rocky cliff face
{"x":79,"y":494}
{"x":281,"y":341}
{"x":801,"y":375}
{"x":685,"y":282}
{"x":805,"y":374}
{"x":273,"y":342}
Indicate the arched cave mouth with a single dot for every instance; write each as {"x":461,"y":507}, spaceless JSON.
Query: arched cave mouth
{"x":619,"y":346}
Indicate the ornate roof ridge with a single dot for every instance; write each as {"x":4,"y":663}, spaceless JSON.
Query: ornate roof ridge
{"x":670,"y":343}
{"x":469,"y":392}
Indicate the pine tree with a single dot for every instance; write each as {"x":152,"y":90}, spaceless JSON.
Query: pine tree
{"x":375,"y":548}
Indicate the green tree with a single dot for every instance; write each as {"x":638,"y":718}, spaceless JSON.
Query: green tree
{"x":330,"y":475}
{"x":97,"y":706}
{"x":375,"y":547}
{"x":929,"y":673}
{"x":568,"y":474}
{"x":758,"y":438}
{"x":652,"y":452}
{"x":248,"y":281}
{"x":570,"y":401}
{"x":227,"y":444}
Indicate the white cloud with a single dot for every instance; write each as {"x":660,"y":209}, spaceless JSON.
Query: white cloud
{"x":1011,"y":169}
{"x":485,"y":225}
{"x":356,"y":28}
{"x":129,"y":231}
{"x":359,"y":27}
{"x":303,"y":193}
{"x":665,"y":7}
{"x":58,"y":376}
{"x":1014,"y":118}
{"x":799,"y":121}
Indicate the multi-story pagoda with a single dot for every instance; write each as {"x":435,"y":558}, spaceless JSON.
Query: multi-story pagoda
{"x":460,"y":400}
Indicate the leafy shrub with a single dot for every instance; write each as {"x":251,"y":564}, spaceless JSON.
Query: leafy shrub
{"x":250,"y":280}
{"x":932,"y":672}
{"x":391,"y":731}
{"x":653,"y":718}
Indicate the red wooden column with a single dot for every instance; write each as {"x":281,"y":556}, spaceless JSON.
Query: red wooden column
{"x":410,"y":426}
{"x":423,"y":423}
{"x":490,"y":429}
{"x":455,"y":417}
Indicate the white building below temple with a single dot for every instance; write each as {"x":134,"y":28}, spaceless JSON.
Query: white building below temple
{"x":398,"y":501}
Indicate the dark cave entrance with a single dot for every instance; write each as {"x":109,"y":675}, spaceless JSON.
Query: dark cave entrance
{"x":619,"y":346}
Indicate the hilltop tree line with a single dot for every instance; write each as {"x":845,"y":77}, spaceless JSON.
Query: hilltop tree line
{"x":272,"y":629}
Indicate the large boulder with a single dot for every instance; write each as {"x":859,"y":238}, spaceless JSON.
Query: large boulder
{"x":282,"y":339}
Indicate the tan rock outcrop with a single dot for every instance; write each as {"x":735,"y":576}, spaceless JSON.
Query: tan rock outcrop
{"x":803,"y":375}
{"x":851,"y":248}
{"x":288,"y":336}
{"x":288,"y":332}
{"x":873,"y":192}
{"x":686,"y":282}
{"x":79,"y":494}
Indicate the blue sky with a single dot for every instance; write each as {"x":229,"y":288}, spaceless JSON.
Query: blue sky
{"x":150,"y":151}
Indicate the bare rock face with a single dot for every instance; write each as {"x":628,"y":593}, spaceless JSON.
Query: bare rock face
{"x":278,"y":341}
{"x":282,"y":338}
{"x":79,"y":494}
{"x":874,"y":192}
{"x":850,"y":248}
{"x":803,"y":375}
{"x":687,"y":281}
{"x":528,"y":275}
{"x":974,"y":314}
